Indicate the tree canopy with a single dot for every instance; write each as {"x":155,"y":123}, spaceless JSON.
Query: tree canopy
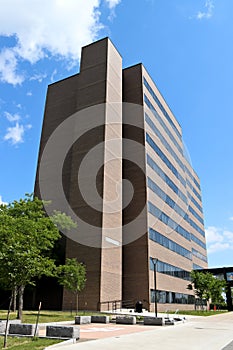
{"x":27,"y":236}
{"x":72,"y":276}
{"x":206,"y":286}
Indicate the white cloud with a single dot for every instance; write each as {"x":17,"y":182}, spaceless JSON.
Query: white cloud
{"x":213,"y":235}
{"x":29,"y":93}
{"x":52,"y":78}
{"x":218,"y":239}
{"x":112,"y":3}
{"x":12,"y":117}
{"x":228,"y":235}
{"x":15,"y":134}
{"x":8,"y":67}
{"x":1,"y":201}
{"x":231,"y":218}
{"x":39,"y":77}
{"x":218,"y":247}
{"x":43,"y":28}
{"x":208,"y":13}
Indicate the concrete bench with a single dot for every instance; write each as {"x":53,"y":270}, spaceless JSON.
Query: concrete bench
{"x":22,"y":329}
{"x":62,"y":332}
{"x":99,"y":319}
{"x":126,"y":320}
{"x":3,"y":324}
{"x":169,"y":322}
{"x":153,"y":321}
{"x":82,"y":319}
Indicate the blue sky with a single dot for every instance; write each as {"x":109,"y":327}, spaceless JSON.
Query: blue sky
{"x":186,"y":45}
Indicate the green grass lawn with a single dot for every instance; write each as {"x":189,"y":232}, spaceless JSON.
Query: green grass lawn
{"x":198,"y":312}
{"x":45,"y":316}
{"x":57,"y":316}
{"x":27,"y":343}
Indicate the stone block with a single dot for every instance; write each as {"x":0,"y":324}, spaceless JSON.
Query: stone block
{"x":154,"y":321}
{"x":126,"y":320}
{"x":169,"y":322}
{"x":22,"y":329}
{"x":99,"y":319}
{"x":62,"y":332}
{"x":2,"y":326}
{"x":82,"y":319}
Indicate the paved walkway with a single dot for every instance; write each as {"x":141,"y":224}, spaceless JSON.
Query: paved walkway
{"x":208,"y":333}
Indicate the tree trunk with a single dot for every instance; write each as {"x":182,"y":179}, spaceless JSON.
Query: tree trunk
{"x":14,"y":298}
{"x":7,"y":320}
{"x":20,"y":307}
{"x":76,"y":303}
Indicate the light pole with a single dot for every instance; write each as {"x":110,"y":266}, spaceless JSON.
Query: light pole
{"x":155,"y":260}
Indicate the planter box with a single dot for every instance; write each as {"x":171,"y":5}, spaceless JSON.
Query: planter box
{"x":99,"y":319}
{"x":154,"y":321}
{"x":82,"y":319}
{"x":22,"y":329}
{"x":126,"y":320}
{"x":3,"y":324}
{"x":169,"y":322}
{"x":62,"y":332}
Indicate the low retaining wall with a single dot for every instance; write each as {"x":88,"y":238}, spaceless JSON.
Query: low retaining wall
{"x":99,"y":319}
{"x":22,"y":329}
{"x":154,"y":321}
{"x":62,"y":332}
{"x":126,"y":320}
{"x":3,"y":324}
{"x":82,"y":319}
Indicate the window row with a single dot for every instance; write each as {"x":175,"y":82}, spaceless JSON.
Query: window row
{"x":198,"y":241}
{"x":169,"y":244}
{"x":167,"y":179}
{"x":161,"y":122}
{"x":199,"y":255}
{"x":198,"y":217}
{"x":170,"y":270}
{"x":165,"y":297}
{"x":165,"y":159}
{"x":195,"y":202}
{"x":161,"y":107}
{"x":169,"y":201}
{"x":197,"y":267}
{"x":193,"y":189}
{"x":164,"y":141}
{"x":168,"y":221}
{"x":192,"y":177}
{"x":196,"y":227}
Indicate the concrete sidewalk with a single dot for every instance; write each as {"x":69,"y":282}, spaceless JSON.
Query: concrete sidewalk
{"x":208,"y":333}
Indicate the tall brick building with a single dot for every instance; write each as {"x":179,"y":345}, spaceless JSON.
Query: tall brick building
{"x":137,"y":131}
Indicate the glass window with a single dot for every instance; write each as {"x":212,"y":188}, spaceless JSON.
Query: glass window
{"x":170,"y":270}
{"x":168,"y":221}
{"x":194,"y":202}
{"x":161,"y":107}
{"x":165,"y":159}
{"x":199,"y":255}
{"x":169,"y":244}
{"x":164,"y":176}
{"x":171,"y":297}
{"x":164,"y":141}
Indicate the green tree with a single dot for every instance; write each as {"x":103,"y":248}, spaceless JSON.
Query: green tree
{"x":72,"y":276}
{"x":217,"y":287}
{"x":206,"y":286}
{"x":27,"y":235}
